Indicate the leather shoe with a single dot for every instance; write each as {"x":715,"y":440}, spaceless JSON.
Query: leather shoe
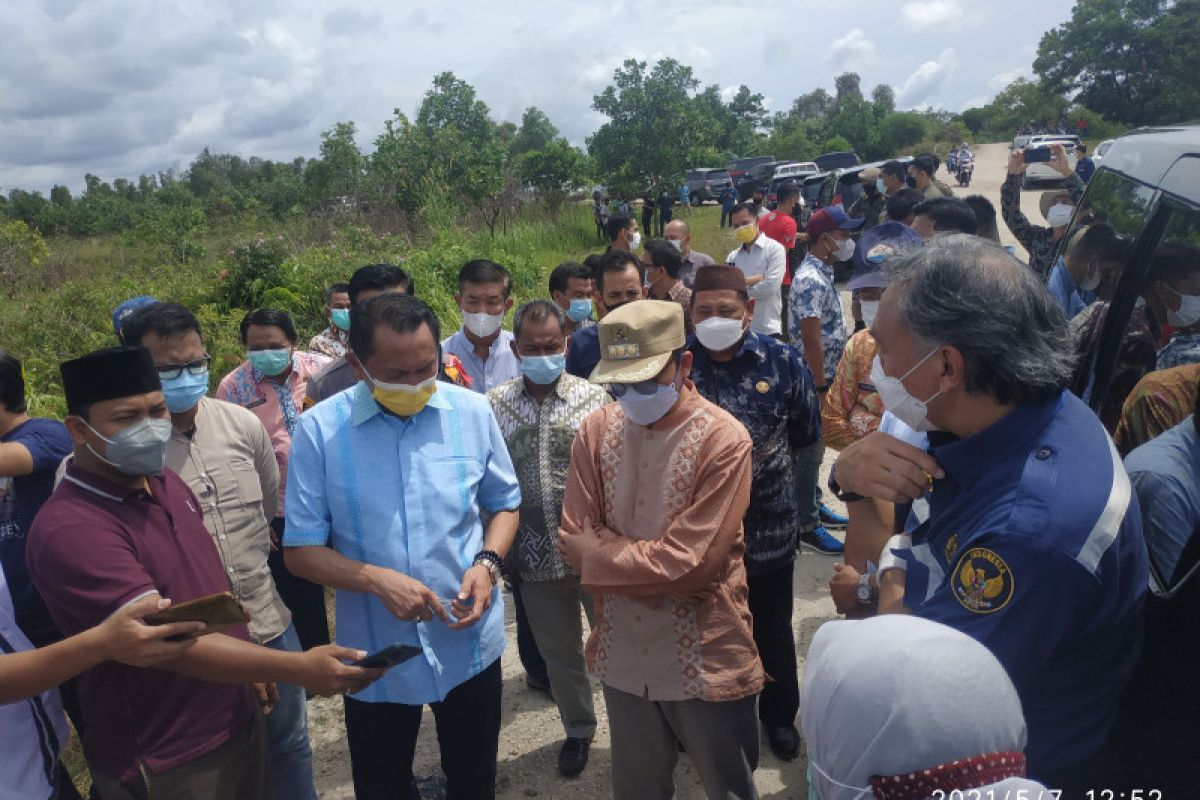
{"x":784,"y":741}
{"x":573,"y":756}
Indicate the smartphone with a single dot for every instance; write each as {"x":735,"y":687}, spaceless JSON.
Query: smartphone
{"x":388,"y":657}
{"x":217,"y":611}
{"x":1038,"y":155}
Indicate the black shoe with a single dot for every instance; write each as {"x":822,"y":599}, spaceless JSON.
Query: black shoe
{"x":573,"y":756}
{"x":784,"y":741}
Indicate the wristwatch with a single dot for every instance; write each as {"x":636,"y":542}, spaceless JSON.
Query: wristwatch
{"x":865,"y":592}
{"x":490,"y":560}
{"x":835,"y":487}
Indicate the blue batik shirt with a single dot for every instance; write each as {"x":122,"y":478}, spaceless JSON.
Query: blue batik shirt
{"x":769,"y":390}
{"x":813,"y":296}
{"x":406,"y":494}
{"x":1033,"y":545}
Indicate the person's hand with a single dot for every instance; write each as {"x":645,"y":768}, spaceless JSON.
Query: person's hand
{"x":125,"y":636}
{"x":274,"y":538}
{"x":323,"y":670}
{"x":1058,"y":160}
{"x":572,"y":546}
{"x":1016,"y":162}
{"x":843,"y":588}
{"x":474,"y":598}
{"x":268,"y":696}
{"x":754,"y":280}
{"x":406,"y":598}
{"x":883,"y":467}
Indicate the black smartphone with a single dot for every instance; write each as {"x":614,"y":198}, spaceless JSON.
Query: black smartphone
{"x":388,"y":657}
{"x":1038,"y":155}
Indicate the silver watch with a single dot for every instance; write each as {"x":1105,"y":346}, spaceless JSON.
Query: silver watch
{"x":864,"y":591}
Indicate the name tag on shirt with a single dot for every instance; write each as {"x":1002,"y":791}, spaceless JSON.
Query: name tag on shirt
{"x":256,"y":403}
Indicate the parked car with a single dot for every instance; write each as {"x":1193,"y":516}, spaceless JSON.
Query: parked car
{"x":839,"y":160}
{"x":1148,"y":189}
{"x":842,"y":187}
{"x":762,"y":173}
{"x":1042,"y":171}
{"x":740,"y":166}
{"x":1101,"y":150}
{"x":810,"y":192}
{"x":1019,"y":142}
{"x":706,"y":184}
{"x":795,"y":171}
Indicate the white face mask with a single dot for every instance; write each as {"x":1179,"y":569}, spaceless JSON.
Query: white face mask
{"x":677,"y":244}
{"x":869,"y":309}
{"x":844,"y":251}
{"x":635,"y":240}
{"x":1091,"y":281}
{"x":719,"y":333}
{"x":482,"y":325}
{"x":1059,"y":214}
{"x":896,"y":399}
{"x":1188,"y":313}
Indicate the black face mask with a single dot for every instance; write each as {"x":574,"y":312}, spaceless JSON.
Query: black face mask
{"x":910,"y":182}
{"x":870,"y":188}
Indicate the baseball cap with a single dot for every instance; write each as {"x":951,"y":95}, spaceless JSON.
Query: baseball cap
{"x":868,"y":174}
{"x":831,"y":218}
{"x":875,"y":247}
{"x":128,"y":307}
{"x":637,"y":340}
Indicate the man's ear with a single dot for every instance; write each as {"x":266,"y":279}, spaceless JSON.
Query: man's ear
{"x":750,"y":309}
{"x":508,"y":304}
{"x":458,"y":299}
{"x":513,"y":345}
{"x":685,"y":364}
{"x":356,"y":365}
{"x":77,"y":428}
{"x":954,"y":368}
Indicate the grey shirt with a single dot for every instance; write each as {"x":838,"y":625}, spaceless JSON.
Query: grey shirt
{"x":693,"y":262}
{"x":334,"y":377}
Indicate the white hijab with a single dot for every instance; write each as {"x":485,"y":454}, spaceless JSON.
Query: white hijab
{"x":895,"y":694}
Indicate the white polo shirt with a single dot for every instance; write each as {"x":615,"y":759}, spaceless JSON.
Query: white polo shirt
{"x":764,"y":256}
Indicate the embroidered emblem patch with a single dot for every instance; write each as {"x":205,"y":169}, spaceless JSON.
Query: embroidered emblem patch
{"x":982,"y":583}
{"x":951,"y":547}
{"x":621,"y":348}
{"x":762,"y":387}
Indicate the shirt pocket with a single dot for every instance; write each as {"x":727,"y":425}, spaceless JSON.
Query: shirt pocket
{"x":451,"y":488}
{"x":239,"y":499}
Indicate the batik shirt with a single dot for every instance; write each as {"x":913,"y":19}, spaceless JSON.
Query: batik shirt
{"x":1158,"y":403}
{"x":332,"y":342}
{"x":1184,"y":348}
{"x":1039,"y":241}
{"x":539,"y":437}
{"x":852,"y":407}
{"x":813,"y":295}
{"x":769,"y":390}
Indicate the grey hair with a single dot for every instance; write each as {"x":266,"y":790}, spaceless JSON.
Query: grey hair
{"x":539,"y":311}
{"x":971,"y":294}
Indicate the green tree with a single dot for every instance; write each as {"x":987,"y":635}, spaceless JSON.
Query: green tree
{"x":900,"y":131}
{"x":338,"y":172}
{"x":816,"y":105}
{"x":848,"y":85}
{"x":884,"y":98}
{"x":1129,"y":60}
{"x":535,"y":133}
{"x":747,"y":107}
{"x":553,"y":170}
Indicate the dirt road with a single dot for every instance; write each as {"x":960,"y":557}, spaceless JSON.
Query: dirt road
{"x":531,"y":732}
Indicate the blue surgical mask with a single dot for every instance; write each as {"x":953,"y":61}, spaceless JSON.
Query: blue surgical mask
{"x":270,"y":362}
{"x":580,"y":310}
{"x":881,"y":186}
{"x":647,"y":402}
{"x":183,"y":393}
{"x":543,"y":370}
{"x":340,"y":317}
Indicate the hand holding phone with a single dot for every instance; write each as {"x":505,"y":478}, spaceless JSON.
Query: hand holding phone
{"x":389,"y":656}
{"x":218,"y":612}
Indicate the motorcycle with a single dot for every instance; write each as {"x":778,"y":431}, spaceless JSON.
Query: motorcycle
{"x":965,"y":170}
{"x":952,"y":162}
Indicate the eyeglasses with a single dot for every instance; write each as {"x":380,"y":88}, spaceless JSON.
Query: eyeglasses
{"x":644,"y":388}
{"x":169,"y":372}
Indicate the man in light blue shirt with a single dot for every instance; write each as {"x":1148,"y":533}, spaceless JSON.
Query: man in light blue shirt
{"x":1093,"y":253}
{"x":484,"y":348}
{"x":390,"y":482}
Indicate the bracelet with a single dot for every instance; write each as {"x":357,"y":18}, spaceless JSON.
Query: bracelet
{"x":488,"y":557}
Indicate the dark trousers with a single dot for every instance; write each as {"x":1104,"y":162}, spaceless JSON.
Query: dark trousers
{"x":305,"y":599}
{"x":383,"y":738}
{"x":527,"y":649}
{"x":726,"y":216}
{"x":771,"y":606}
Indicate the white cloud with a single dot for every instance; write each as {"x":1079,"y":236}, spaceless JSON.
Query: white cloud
{"x":854,"y":46}
{"x":1001,"y":81}
{"x":919,"y":88}
{"x":925,"y":13}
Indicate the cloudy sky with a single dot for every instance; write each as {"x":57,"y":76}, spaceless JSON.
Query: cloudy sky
{"x":123,"y":87}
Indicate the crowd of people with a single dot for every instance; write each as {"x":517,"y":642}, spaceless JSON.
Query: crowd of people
{"x":643,"y":449}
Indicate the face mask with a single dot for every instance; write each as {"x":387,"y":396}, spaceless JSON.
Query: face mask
{"x":747,"y":233}
{"x":482,"y":325}
{"x":580,"y":310}
{"x":184,"y":392}
{"x":1188,"y":313}
{"x":270,"y":362}
{"x":844,"y":251}
{"x":880,"y":186}
{"x":677,"y":244}
{"x":635,"y":240}
{"x":647,"y":282}
{"x":1059,"y":214}
{"x":543,"y":370}
{"x":140,"y":449}
{"x":896,"y":399}
{"x":910,"y":182}
{"x":869,"y":309}
{"x":1092,"y":281}
{"x":719,"y":333}
{"x":340,"y":317}
{"x":403,"y":399}
{"x":648,"y":408}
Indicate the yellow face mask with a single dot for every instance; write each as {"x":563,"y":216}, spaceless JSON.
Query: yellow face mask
{"x":402,"y":399}
{"x":747,"y":233}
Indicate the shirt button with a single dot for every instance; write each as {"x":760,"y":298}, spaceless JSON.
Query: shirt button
{"x":222,"y":537}
{"x":1043,"y":453}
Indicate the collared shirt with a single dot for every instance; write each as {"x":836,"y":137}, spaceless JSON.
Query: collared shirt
{"x":1158,"y":403}
{"x":1071,"y":299}
{"x":766,"y":257}
{"x":692,"y":262}
{"x":539,"y":437}
{"x":852,"y":407}
{"x":1033,"y":545}
{"x":584,"y":353}
{"x":814,"y":296}
{"x":407,"y":494}
{"x":35,"y":728}
{"x":501,"y":365}
{"x":769,"y":390}
{"x":1039,"y":241}
{"x":672,"y":619}
{"x":682,"y":295}
{"x":1166,"y":476}
{"x":229,"y":464}
{"x":94,"y":548}
{"x":1183,"y":348}
{"x":332,"y":342}
{"x":276,"y":405}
